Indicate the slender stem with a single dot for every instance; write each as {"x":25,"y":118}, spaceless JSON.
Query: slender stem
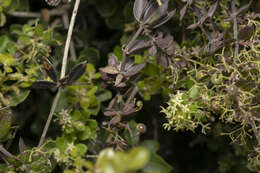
{"x":130,"y":44}
{"x":65,"y":19}
{"x":67,"y":45}
{"x":233,"y":7}
{"x":132,"y":95}
{"x":5,"y":152}
{"x":55,"y":12}
{"x":63,"y":70}
{"x":53,"y":107}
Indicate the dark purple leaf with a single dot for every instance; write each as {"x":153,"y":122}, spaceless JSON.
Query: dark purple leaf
{"x":129,"y":64}
{"x":22,"y":146}
{"x":113,"y":61}
{"x":119,"y":79}
{"x":246,"y":32}
{"x":139,"y":9}
{"x":153,"y":50}
{"x":149,"y":11}
{"x":138,"y":45}
{"x":243,"y":8}
{"x":162,"y":60}
{"x":76,"y":72}
{"x":109,"y":113}
{"x":134,"y":70}
{"x":212,"y":9}
{"x":183,"y":11}
{"x":111,"y":103}
{"x":109,"y":70}
{"x":43,"y":84}
{"x":193,"y":26}
{"x":163,"y":19}
{"x":48,"y":67}
{"x":129,"y":109}
{"x":115,"y":120}
{"x":121,"y":85}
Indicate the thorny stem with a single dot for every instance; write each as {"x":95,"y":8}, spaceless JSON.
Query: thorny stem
{"x":63,"y":70}
{"x":130,"y":44}
{"x":233,"y":7}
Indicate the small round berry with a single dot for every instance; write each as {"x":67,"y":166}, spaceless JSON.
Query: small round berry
{"x":140,"y":127}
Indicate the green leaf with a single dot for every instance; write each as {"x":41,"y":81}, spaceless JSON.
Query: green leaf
{"x":151,"y":145}
{"x":138,"y":157}
{"x":107,"y":8}
{"x":17,"y":99}
{"x":104,"y":96}
{"x":157,"y":165}
{"x":91,"y":55}
{"x":85,"y":134}
{"x":194,"y":92}
{"x":5,"y":123}
{"x":7,"y":59}
{"x":4,"y":40}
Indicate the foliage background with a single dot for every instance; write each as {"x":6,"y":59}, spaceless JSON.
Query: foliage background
{"x":102,"y":27}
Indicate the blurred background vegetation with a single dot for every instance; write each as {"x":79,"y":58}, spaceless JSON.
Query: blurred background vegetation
{"x":220,"y":89}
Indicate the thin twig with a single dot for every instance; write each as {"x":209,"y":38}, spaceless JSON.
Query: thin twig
{"x":65,"y":19}
{"x":233,"y":7}
{"x":63,"y":71}
{"x":5,"y":152}
{"x":132,"y":95}
{"x":72,"y":22}
{"x":53,"y":107}
{"x":55,"y":12}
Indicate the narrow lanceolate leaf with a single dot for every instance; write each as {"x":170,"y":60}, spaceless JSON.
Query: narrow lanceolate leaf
{"x":48,"y":67}
{"x":43,"y":84}
{"x":115,"y":120}
{"x":139,"y":8}
{"x":138,"y":45}
{"x":163,"y":19}
{"x":149,"y":11}
{"x":157,"y":12}
{"x":134,"y":70}
{"x":112,"y":60}
{"x":243,"y":8}
{"x":109,"y":70}
{"x":22,"y":145}
{"x":129,"y":108}
{"x":213,"y":9}
{"x":184,"y":9}
{"x":109,"y":113}
{"x":77,"y":72}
